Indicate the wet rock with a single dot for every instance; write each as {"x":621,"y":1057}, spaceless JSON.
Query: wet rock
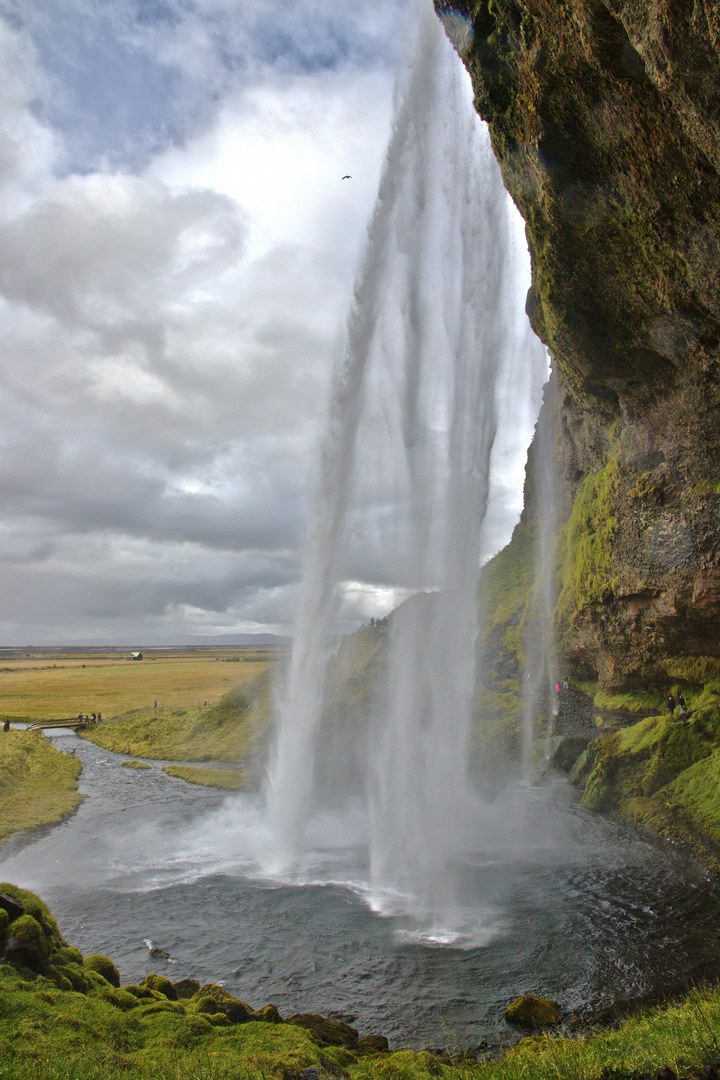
{"x":533,"y":1012}
{"x":579,"y":771}
{"x":159,"y":954}
{"x":567,"y":751}
{"x":13,"y":908}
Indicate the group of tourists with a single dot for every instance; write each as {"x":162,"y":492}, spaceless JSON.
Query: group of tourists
{"x":679,"y":704}
{"x":93,"y":718}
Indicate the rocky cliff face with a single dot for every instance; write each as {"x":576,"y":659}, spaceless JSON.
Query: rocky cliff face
{"x":605,"y":118}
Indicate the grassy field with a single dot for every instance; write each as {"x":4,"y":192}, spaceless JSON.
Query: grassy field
{"x":234,"y":730}
{"x":38,"y":784}
{"x":54,"y":684}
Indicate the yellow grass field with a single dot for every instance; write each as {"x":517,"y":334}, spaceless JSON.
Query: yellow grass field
{"x":54,"y":685}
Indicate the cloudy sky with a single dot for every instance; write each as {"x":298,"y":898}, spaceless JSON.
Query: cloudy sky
{"x":177,"y":254}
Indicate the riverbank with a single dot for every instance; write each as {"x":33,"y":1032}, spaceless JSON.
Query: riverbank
{"x":38,"y":784}
{"x":65,"y":1016}
{"x":233,"y":730}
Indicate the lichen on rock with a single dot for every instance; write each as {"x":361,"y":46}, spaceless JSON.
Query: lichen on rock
{"x":531,"y":1011}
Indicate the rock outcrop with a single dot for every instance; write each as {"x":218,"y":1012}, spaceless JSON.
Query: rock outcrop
{"x":605,"y":118}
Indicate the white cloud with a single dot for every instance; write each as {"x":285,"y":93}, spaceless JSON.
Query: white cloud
{"x":177,"y":255}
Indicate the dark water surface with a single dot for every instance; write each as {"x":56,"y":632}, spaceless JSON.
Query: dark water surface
{"x":581,"y":909}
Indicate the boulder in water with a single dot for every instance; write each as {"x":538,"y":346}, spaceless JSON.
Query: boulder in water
{"x":533,"y":1012}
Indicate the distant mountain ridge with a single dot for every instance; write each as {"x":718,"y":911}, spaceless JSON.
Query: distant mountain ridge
{"x":175,"y":641}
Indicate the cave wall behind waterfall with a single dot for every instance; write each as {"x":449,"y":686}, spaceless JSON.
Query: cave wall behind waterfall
{"x":605,"y":118}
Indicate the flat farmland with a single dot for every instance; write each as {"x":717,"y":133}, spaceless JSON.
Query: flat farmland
{"x":55,"y":684}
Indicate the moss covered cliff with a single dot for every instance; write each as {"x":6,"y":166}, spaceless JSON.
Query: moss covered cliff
{"x":605,"y":118}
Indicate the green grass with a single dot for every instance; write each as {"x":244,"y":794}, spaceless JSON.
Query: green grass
{"x":233,"y":730}
{"x":643,"y":735}
{"x":229,"y":779}
{"x":51,"y":1034}
{"x":38,"y":784}
{"x":697,"y":791}
{"x":631,"y":701}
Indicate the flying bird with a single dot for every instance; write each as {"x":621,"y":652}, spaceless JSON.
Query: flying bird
{"x":346,"y":177}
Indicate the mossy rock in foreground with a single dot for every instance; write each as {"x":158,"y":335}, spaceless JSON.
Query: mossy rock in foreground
{"x":161,"y":985}
{"x":27,"y":945}
{"x":533,"y":1012}
{"x":104,"y":966}
{"x":326,"y":1031}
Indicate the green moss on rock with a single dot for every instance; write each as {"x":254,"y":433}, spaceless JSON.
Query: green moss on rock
{"x":186,"y":988}
{"x":533,"y":1012}
{"x":104,"y":966}
{"x":67,"y":954}
{"x":120,"y":998}
{"x":27,"y":945}
{"x":161,"y":985}
{"x":326,"y":1031}
{"x":58,"y":978}
{"x":78,"y":977}
{"x":589,"y":572}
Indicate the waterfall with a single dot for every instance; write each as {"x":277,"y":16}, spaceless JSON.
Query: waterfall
{"x":540,"y":698}
{"x":430,"y":370}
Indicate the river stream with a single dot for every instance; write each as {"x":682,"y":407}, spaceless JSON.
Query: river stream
{"x":579,"y":909}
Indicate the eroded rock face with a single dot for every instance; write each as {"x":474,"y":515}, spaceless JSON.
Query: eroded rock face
{"x":605,"y":118}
